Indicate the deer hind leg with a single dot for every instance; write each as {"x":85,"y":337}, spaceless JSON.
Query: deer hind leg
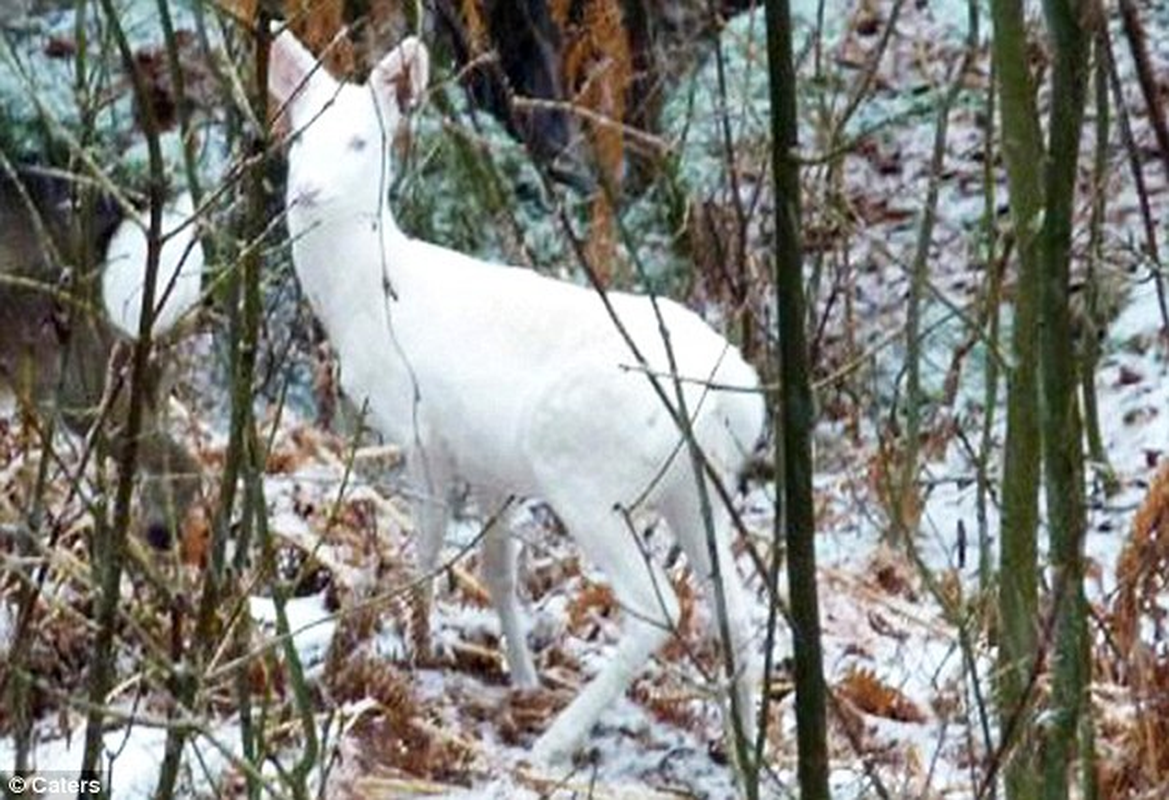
{"x":169,"y":472}
{"x":172,"y":480}
{"x":650,"y":613}
{"x":171,"y":484}
{"x":500,"y":555}
{"x":683,"y":512}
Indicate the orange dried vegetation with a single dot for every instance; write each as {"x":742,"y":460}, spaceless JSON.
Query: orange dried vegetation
{"x":476,"y":25}
{"x":670,"y":704}
{"x":1142,"y":571}
{"x":863,"y":689}
{"x":400,"y":735}
{"x":598,"y":69}
{"x":595,"y":599}
{"x":317,"y":23}
{"x":1138,"y":618}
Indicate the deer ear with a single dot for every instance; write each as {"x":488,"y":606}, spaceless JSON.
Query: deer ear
{"x":290,"y":67}
{"x":401,"y":76}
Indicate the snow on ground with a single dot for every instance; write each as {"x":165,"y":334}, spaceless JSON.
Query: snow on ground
{"x":892,"y":646}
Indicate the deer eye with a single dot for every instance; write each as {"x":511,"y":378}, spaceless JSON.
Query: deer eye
{"x":357,"y":144}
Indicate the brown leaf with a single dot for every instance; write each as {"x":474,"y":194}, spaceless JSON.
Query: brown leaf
{"x":892,"y":574}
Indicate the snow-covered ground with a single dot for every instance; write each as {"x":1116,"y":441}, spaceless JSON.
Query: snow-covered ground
{"x":911,"y":678}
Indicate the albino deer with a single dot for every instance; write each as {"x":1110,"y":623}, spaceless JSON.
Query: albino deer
{"x":46,"y":328}
{"x":517,"y":384}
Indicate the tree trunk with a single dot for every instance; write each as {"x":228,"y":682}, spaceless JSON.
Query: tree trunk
{"x":1017,"y":599}
{"x":794,"y":454}
{"x":1062,"y":440}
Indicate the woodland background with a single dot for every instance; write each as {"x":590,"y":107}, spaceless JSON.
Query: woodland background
{"x":978,"y":633}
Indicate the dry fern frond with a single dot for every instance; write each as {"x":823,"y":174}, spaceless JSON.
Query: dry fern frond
{"x":863,"y":689}
{"x":1140,"y":611}
{"x":399,"y":734}
{"x":476,"y":25}
{"x":1142,"y":571}
{"x":594,"y":600}
{"x":317,"y":23}
{"x":597,"y":64}
{"x":669,"y":704}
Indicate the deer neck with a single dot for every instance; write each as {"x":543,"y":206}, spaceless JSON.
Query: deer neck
{"x":344,"y":255}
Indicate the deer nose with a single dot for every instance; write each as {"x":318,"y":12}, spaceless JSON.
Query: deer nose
{"x":159,"y":536}
{"x":307,"y":195}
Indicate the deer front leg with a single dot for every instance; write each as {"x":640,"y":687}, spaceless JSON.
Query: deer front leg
{"x":500,"y":555}
{"x":431,"y":507}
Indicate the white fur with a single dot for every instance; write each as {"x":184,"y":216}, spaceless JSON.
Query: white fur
{"x":180,"y":265}
{"x":515,"y":383}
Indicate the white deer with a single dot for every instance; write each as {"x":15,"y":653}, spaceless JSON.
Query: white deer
{"x":516,"y":384}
